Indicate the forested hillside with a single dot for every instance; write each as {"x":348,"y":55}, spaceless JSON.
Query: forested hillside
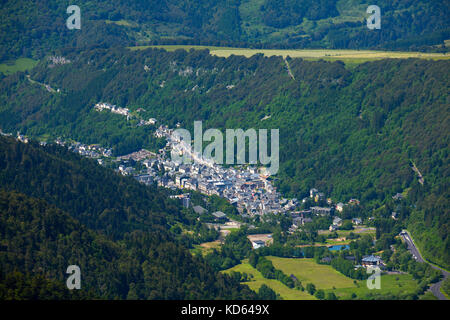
{"x":113,"y":228}
{"x":33,"y":28}
{"x":351,"y":132}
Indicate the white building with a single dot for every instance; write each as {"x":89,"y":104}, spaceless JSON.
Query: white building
{"x":340,"y":207}
{"x":258,"y":244}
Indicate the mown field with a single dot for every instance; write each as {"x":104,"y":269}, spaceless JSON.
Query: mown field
{"x":344,"y":233}
{"x":390,"y":284}
{"x":306,"y":270}
{"x":326,"y":278}
{"x":206,"y":247}
{"x":21,"y":64}
{"x":347,"y":56}
{"x":258,"y":280}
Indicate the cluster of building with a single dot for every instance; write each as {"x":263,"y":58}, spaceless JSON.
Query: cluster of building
{"x":20,"y":137}
{"x":249,"y":191}
{"x":301,"y":217}
{"x":58,"y":60}
{"x":140,"y":155}
{"x":125,"y":112}
{"x":149,"y":122}
{"x":91,"y":151}
{"x":113,"y":108}
{"x":252,"y":193}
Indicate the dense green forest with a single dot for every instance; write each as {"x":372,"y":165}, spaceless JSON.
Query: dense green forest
{"x":351,"y":132}
{"x":34,"y":28}
{"x":115,"y":229}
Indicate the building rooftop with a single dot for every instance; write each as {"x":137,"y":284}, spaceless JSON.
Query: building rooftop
{"x":219,"y":214}
{"x":199,"y":209}
{"x":371,"y":258}
{"x":258,"y":242}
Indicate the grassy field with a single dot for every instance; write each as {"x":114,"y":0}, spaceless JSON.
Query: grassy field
{"x":390,"y":284}
{"x":344,"y":233}
{"x":307,"y":270}
{"x":206,"y":247}
{"x":20,"y":64}
{"x":124,"y":23}
{"x":326,"y":278}
{"x":347,"y":56}
{"x":336,"y":242}
{"x":258,"y":280}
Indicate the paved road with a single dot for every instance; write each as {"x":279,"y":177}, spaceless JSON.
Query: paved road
{"x":435,"y":287}
{"x":412,"y":248}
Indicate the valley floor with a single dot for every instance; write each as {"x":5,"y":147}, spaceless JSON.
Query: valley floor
{"x":323,"y":277}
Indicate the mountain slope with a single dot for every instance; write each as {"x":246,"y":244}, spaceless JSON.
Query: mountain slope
{"x":353,"y":133}
{"x":411,"y":24}
{"x":113,"y":228}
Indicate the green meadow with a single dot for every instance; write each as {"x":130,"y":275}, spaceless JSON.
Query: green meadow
{"x":206,"y":247}
{"x":326,"y":278}
{"x":124,"y":23}
{"x":389,"y":284}
{"x":307,"y":270}
{"x":345,"y":233}
{"x":258,"y":280}
{"x":351,"y":57}
{"x":21,"y":64}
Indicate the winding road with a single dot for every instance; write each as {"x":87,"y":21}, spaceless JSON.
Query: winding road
{"x":435,"y":288}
